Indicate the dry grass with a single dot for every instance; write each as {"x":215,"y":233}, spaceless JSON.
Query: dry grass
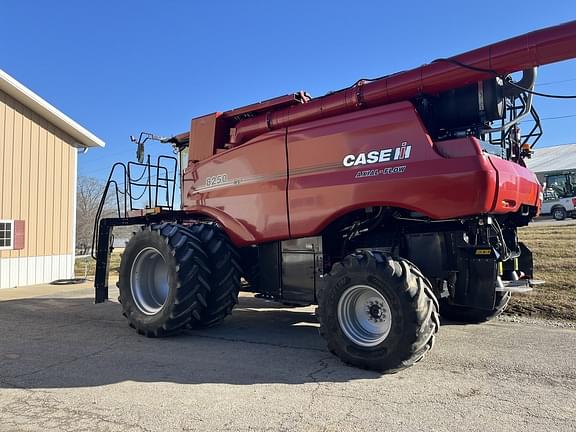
{"x":88,"y":265}
{"x":554,"y":261}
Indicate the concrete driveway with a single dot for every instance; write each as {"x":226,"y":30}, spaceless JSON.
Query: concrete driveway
{"x":69,"y":365}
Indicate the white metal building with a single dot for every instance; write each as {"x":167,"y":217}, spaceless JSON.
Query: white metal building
{"x":38,"y":161}
{"x":554,"y":159}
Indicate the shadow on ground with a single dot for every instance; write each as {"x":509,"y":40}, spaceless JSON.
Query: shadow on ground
{"x":70,"y":342}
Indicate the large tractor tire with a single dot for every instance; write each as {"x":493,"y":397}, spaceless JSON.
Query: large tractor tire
{"x":377,"y":313}
{"x":164,"y":280}
{"x":468,"y":315}
{"x":225,"y":269}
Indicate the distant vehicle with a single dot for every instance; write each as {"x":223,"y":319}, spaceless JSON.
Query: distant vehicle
{"x":560,"y":196}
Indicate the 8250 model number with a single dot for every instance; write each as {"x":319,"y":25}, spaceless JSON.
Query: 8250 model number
{"x":216,"y":180}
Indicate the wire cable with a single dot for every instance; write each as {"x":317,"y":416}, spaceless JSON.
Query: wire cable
{"x":465,"y":66}
{"x":512,"y":83}
{"x":552,"y":118}
{"x":547,"y":95}
{"x":556,"y":82}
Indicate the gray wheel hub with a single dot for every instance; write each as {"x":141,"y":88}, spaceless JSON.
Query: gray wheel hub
{"x":149,"y":281}
{"x":364,"y":315}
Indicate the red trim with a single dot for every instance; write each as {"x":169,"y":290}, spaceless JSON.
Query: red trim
{"x":19,"y":230}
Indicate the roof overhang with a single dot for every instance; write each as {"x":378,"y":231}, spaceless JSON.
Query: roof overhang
{"x":83,"y":137}
{"x":555,"y":158}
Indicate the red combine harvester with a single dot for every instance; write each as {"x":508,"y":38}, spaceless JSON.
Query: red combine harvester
{"x":386,"y":203}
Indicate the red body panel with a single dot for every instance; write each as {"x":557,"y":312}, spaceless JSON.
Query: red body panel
{"x":321,"y":188}
{"x":264,"y":196}
{"x":517,"y":186}
{"x":253,"y":193}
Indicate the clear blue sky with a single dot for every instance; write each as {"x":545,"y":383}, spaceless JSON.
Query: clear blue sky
{"x":120,"y":67}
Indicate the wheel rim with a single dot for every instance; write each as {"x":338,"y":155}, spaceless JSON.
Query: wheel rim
{"x":558,"y":214}
{"x":149,"y":281}
{"x":364,"y":315}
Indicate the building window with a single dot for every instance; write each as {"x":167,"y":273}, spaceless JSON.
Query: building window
{"x":6,"y":234}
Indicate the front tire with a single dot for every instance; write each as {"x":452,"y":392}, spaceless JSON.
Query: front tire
{"x":225,"y":274}
{"x":377,"y":312}
{"x":163,"y":280}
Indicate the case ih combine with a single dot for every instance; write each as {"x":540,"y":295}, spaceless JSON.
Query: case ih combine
{"x":386,"y":203}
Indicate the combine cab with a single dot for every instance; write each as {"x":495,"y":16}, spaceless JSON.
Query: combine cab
{"x":387,"y":204}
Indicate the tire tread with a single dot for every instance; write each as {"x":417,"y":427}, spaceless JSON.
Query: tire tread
{"x":192,"y":273}
{"x":224,"y":262}
{"x":411,"y":285}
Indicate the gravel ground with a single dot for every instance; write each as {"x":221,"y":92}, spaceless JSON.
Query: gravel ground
{"x":537,"y":321}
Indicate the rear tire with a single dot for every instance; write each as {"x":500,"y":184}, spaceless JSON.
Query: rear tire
{"x":376,"y":312}
{"x":470,"y":315}
{"x":225,"y":269}
{"x":163,"y":280}
{"x":559,"y":213}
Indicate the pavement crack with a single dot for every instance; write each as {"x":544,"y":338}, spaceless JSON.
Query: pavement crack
{"x":323,"y":365}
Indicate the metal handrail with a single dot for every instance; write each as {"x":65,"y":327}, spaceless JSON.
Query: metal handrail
{"x":109,"y":182}
{"x":161,"y":175}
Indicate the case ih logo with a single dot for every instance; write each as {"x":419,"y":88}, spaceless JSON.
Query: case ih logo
{"x":378,"y":156}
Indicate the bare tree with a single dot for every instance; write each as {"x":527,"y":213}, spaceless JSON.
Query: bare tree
{"x":88,"y":195}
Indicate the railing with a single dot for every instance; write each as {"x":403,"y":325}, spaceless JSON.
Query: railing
{"x":508,"y":135}
{"x":156,"y":183}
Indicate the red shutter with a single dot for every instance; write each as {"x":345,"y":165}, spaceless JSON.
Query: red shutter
{"x":19,"y":237}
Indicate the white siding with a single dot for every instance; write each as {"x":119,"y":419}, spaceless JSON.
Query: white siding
{"x":37,"y":185}
{"x":34,"y":270}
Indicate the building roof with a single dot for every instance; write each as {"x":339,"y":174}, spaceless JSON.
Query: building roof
{"x":555,"y":158}
{"x":31,"y":100}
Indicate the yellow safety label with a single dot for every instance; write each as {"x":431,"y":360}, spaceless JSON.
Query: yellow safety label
{"x":483,"y":251}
